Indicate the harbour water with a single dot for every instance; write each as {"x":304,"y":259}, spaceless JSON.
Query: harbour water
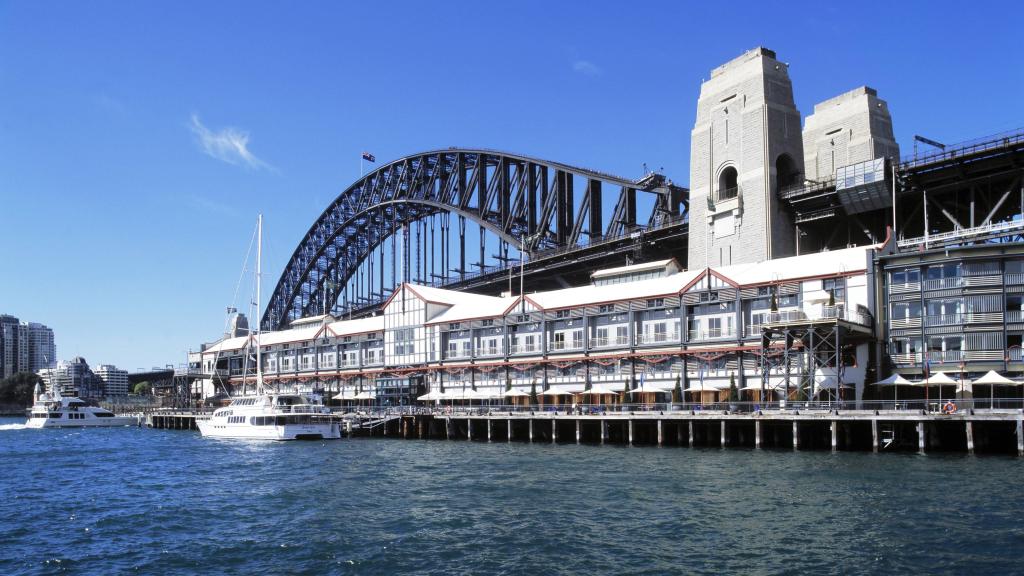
{"x":132,"y":500}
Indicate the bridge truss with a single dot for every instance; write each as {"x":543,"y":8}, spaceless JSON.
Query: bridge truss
{"x":421,"y":205}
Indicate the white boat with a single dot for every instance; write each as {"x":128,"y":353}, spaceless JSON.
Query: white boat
{"x":272,"y":417}
{"x":268,"y":415}
{"x":69,"y":412}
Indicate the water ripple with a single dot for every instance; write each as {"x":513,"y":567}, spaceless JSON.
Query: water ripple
{"x":146,"y":501}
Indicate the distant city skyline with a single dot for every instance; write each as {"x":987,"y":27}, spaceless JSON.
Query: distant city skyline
{"x":133,"y":163}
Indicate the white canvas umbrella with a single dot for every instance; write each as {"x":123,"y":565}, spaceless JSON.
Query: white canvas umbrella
{"x":993,"y":379}
{"x":515,"y":393}
{"x":365,"y":395}
{"x":598,"y":389}
{"x":646,"y":388}
{"x":937,"y":379}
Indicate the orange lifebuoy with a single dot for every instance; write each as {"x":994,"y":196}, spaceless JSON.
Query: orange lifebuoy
{"x":949,"y":407}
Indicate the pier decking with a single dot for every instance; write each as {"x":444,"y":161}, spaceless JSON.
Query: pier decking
{"x":990,"y":431}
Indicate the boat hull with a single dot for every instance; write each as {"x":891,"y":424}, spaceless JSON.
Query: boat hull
{"x":115,"y":422}
{"x":210,"y":429}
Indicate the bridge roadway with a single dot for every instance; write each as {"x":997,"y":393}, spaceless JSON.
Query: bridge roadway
{"x":876,"y":429}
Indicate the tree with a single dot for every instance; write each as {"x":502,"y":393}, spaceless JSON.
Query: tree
{"x":734,"y":393}
{"x":533,"y":392}
{"x":677,"y":392}
{"x":19,"y":388}
{"x":143,"y":388}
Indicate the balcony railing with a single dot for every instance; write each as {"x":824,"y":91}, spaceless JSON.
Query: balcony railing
{"x":723,"y":194}
{"x":943,"y":283}
{"x":524,"y":349}
{"x":490,"y":351}
{"x":1015,"y":315}
{"x":907,"y":358}
{"x":945,"y":356}
{"x":711,"y":334}
{"x":563,"y":345}
{"x":609,"y":342}
{"x":657,"y":338}
{"x":943,"y":319}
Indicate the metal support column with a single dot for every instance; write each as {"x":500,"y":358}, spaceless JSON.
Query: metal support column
{"x":874,"y":435}
{"x":969,"y":429}
{"x":509,"y":429}
{"x":554,"y":430}
{"x":577,"y":430}
{"x":920,"y":437}
{"x":757,"y":434}
{"x":690,"y":422}
{"x":796,"y":435}
{"x":835,"y":427}
{"x":661,"y":439}
{"x":723,"y":444}
{"x":630,"y":431}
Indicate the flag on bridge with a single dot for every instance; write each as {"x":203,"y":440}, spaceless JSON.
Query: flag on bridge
{"x":369,"y":157}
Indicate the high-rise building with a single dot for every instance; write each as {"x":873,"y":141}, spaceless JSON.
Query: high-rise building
{"x":73,"y":378}
{"x":13,"y":346}
{"x":115,"y":380}
{"x":25,"y":346}
{"x":42,"y":351}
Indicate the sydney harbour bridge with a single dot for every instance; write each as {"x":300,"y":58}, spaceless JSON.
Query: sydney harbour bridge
{"x":469,"y":218}
{"x":474,"y":219}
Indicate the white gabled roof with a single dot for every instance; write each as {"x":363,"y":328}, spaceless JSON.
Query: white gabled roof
{"x":490,"y":307}
{"x":225,"y":344}
{"x":670,"y":264}
{"x":816,"y":264}
{"x":583,"y":295}
{"x":357,"y":326}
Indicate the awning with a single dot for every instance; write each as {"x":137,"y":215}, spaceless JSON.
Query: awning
{"x":515,"y":393}
{"x":598,"y":389}
{"x":432,"y":395}
{"x":646,"y":388}
{"x":894,"y":380}
{"x":993,"y":378}
{"x":344,"y":395}
{"x":365,"y":395}
{"x":707,"y":387}
{"x":553,"y":392}
{"x":937,"y":379}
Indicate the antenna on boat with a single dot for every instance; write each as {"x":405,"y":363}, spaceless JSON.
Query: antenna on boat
{"x":259,"y":327}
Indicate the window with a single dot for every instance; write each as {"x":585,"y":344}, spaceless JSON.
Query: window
{"x":577,"y":338}
{"x":836,"y":287}
{"x":906,"y":310}
{"x":621,"y":334}
{"x":529,"y":343}
{"x":488,"y":322}
{"x":562,"y":314}
{"x":764,"y":291}
{"x":454,"y":326}
{"x":727,"y":185}
{"x":606,"y":308}
{"x":709,"y":297}
{"x":522,"y":318}
{"x":602,"y":337}
{"x":948,"y":270}
{"x":905,"y":277}
{"x":656,"y":303}
{"x":466,"y":348}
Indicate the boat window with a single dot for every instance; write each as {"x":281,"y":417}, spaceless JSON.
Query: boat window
{"x":54,"y":414}
{"x":103,"y":414}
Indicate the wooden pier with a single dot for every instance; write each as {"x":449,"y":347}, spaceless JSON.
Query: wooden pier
{"x":981,"y":431}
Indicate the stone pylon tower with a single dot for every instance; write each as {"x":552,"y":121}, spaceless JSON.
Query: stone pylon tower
{"x":745,"y":145}
{"x":850,"y":128}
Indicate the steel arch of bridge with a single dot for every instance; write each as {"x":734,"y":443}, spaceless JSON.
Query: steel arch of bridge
{"x":515,"y":197}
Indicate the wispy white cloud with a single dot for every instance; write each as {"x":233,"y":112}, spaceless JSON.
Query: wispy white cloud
{"x":587,"y":68}
{"x":229,"y":145}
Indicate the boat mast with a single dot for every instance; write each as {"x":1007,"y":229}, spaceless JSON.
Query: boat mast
{"x":259,"y":279}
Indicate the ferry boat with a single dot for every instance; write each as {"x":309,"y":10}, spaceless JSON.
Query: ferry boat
{"x":267,"y":415}
{"x":272,"y":417}
{"x":70,"y":412}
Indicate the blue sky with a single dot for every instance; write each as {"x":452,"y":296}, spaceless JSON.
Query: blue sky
{"x":139,"y":139}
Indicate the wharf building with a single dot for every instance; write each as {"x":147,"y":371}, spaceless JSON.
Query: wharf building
{"x":25,"y":346}
{"x":816,"y":262}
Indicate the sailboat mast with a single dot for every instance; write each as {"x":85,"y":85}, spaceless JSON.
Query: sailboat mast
{"x":259,"y":280}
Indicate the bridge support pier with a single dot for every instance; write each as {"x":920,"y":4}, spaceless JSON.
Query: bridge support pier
{"x":920,"y":437}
